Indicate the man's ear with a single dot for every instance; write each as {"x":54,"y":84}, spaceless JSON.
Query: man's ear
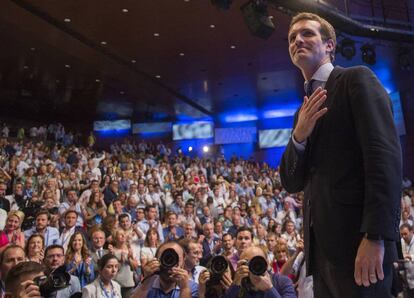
{"x":330,"y":46}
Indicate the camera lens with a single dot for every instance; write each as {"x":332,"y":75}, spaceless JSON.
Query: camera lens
{"x":169,"y":258}
{"x":258,"y":265}
{"x":218,"y":265}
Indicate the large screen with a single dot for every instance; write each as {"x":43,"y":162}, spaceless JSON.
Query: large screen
{"x":194,"y":130}
{"x":274,"y":137}
{"x":235,"y":135}
{"x":153,"y":127}
{"x":109,"y":125}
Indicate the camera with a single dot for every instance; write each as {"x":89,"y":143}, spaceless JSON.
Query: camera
{"x":169,"y":259}
{"x":57,"y":280}
{"x":217,"y":266}
{"x":257,"y":266}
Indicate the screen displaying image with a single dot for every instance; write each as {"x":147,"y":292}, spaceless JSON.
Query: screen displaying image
{"x":274,"y":137}
{"x":111,"y":125}
{"x":195,"y":130}
{"x":236,"y":135}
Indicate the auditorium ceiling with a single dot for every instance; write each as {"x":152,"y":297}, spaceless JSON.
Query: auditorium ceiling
{"x":145,"y":60}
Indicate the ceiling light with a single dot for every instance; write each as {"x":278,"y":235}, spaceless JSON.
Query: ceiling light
{"x":33,"y":49}
{"x":133,"y":61}
{"x":122,"y":92}
{"x":181,"y":54}
{"x":25,"y":67}
{"x":67,"y":20}
{"x":97,"y":80}
{"x":158,"y":76}
{"x":67,"y":65}
{"x":156,"y":34}
{"x":124,"y":10}
{"x":212,"y":26}
{"x":368,"y":54}
{"x":103,"y":43}
{"x":232,"y":47}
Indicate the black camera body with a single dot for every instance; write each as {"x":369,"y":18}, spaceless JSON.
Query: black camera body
{"x":57,"y":280}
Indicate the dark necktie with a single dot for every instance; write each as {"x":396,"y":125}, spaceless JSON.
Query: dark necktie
{"x":309,"y":89}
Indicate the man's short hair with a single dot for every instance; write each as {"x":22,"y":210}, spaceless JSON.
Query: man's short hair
{"x":185,"y":244}
{"x":244,"y":229}
{"x":54,"y":246}
{"x":71,"y":211}
{"x":406,"y":225}
{"x":43,"y":212}
{"x":327,"y":30}
{"x":227,"y":234}
{"x":147,"y":208}
{"x":165,"y":243}
{"x":15,"y":274}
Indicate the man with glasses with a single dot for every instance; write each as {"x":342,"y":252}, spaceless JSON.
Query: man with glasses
{"x":54,"y":258}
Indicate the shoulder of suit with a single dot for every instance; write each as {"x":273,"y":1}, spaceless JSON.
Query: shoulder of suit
{"x":354,"y":69}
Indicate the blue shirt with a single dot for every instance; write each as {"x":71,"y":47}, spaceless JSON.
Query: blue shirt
{"x":51,"y":235}
{"x":179,"y":232}
{"x":282,"y":288}
{"x":156,"y":291}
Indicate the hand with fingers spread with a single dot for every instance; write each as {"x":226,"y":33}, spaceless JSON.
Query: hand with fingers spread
{"x":368,"y":262}
{"x":309,"y":113}
{"x":29,"y":289}
{"x":180,"y":276}
{"x":151,"y":267}
{"x":241,"y":272}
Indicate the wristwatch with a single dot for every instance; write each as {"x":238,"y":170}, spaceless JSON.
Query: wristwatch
{"x":376,"y":237}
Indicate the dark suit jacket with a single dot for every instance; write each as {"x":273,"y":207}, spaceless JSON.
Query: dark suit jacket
{"x":207,"y":253}
{"x":350,"y":170}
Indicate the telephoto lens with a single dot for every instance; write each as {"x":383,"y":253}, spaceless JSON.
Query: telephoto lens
{"x":169,"y":259}
{"x":217,"y":266}
{"x":258,"y":265}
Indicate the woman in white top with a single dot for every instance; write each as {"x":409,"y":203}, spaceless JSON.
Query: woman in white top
{"x":151,"y":243}
{"x":104,"y":286}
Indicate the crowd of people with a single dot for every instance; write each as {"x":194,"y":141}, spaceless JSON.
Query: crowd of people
{"x":107,"y":217}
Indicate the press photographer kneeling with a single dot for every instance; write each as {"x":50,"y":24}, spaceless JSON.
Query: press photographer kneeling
{"x":251,"y":278}
{"x":165,"y":275}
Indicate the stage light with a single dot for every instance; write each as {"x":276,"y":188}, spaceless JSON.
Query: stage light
{"x":257,"y":19}
{"x":222,"y":4}
{"x":347,"y":48}
{"x":205,"y":149}
{"x":368,"y":54}
{"x":190,"y":149}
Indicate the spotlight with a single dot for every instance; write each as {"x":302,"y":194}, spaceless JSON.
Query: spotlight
{"x":222,"y":4}
{"x":347,"y":48}
{"x":257,"y":19}
{"x":190,"y":149}
{"x":368,"y":54}
{"x":179,"y":151}
{"x":205,"y":149}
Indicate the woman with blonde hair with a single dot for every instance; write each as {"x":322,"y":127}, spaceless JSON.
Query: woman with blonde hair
{"x":78,"y":260}
{"x":12,"y":233}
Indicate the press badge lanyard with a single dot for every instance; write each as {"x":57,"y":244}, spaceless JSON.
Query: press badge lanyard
{"x":107,"y":295}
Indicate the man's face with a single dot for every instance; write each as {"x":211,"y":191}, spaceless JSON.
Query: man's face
{"x":41,"y":222}
{"x":140,"y":214}
{"x":208,"y":230}
{"x":54,"y":258}
{"x":3,"y":189}
{"x":243,"y":241}
{"x":227,"y":242}
{"x":70,"y":220}
{"x":72,"y":196}
{"x":406,"y":234}
{"x":98,"y":239}
{"x":172,"y":219}
{"x":194,"y":255}
{"x":271,"y":242}
{"x":306,"y":47}
{"x":165,"y":274}
{"x":152,"y":213}
{"x":11,"y":258}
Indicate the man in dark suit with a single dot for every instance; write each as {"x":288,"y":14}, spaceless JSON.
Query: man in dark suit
{"x":345,"y":154}
{"x":211,"y":245}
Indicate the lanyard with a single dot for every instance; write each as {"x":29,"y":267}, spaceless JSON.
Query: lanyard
{"x":111,"y":294}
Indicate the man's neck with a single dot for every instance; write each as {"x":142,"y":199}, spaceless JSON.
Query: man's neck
{"x":308,"y":72}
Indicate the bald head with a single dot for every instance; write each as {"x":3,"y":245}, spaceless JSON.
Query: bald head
{"x":251,"y":252}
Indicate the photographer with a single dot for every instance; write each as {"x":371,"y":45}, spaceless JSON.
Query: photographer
{"x":407,"y":244}
{"x":165,"y":275}
{"x":214,"y":284}
{"x":54,"y":258}
{"x":247,"y":284}
{"x":20,"y":280}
